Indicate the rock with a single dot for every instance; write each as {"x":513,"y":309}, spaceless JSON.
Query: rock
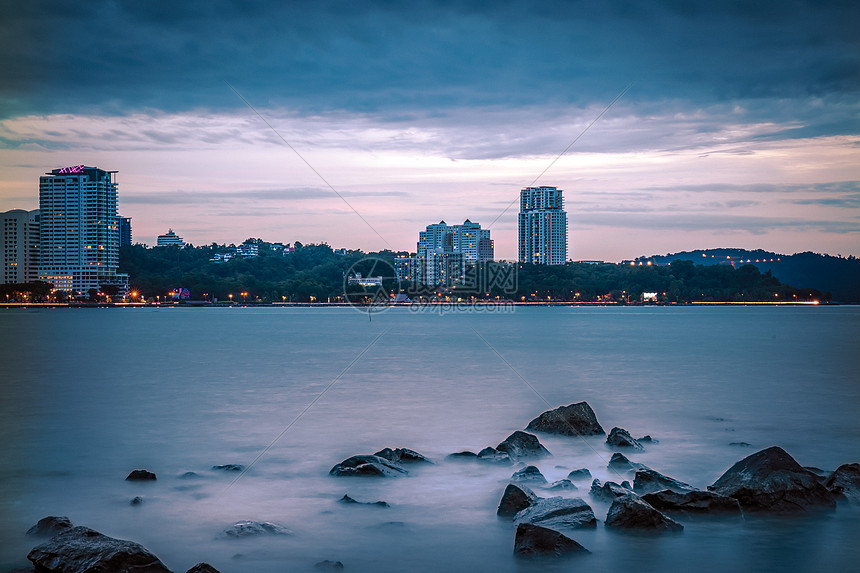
{"x":402,"y":456}
{"x":574,"y":420}
{"x":621,"y":438}
{"x":189,"y":475}
{"x":348,"y":500}
{"x":631,"y":512}
{"x":647,"y":440}
{"x":229,"y":467}
{"x":492,"y":455}
{"x":579,"y":475}
{"x":202,"y":568}
{"x":565,"y":484}
{"x":772,"y":481}
{"x":693,"y":502}
{"x":608,"y":491}
{"x":740,"y":444}
{"x":136,"y":500}
{"x":536,"y":541}
{"x":530,"y":475}
{"x":845,"y":481}
{"x":620,"y":463}
{"x":648,"y":480}
{"x":50,"y":526}
{"x":515,"y":499}
{"x":370,"y":466}
{"x":522,"y":446}
{"x":83,"y":550}
{"x":254,"y":528}
{"x":329,"y":565}
{"x":140,"y":475}
{"x":462,"y":456}
{"x":558,"y":512}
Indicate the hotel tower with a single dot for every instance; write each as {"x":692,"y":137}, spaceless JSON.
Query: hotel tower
{"x":542,"y":226}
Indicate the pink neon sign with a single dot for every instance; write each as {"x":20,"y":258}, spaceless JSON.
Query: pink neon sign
{"x":73,"y":169}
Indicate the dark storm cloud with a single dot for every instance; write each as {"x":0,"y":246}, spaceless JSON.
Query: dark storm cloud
{"x":405,"y":62}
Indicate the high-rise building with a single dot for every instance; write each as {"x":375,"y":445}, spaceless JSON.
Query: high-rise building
{"x":169,"y":239}
{"x":542,"y":226}
{"x":443,"y":252}
{"x":124,"y":231}
{"x":19,"y":246}
{"x":79,"y":236}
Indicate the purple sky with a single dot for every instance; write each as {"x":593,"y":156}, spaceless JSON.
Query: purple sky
{"x":741,"y":127}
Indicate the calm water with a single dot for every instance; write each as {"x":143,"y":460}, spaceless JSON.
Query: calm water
{"x":88,"y":395}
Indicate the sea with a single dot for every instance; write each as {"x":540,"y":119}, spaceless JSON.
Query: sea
{"x":87,"y":395}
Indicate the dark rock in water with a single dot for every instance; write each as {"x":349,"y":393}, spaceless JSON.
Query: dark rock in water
{"x":50,"y":526}
{"x":693,"y":502}
{"x":626,"y":485}
{"x":202,"y":568}
{"x":140,"y":475}
{"x":329,"y":565}
{"x":574,"y":420}
{"x":772,"y":481}
{"x":83,"y":550}
{"x":530,"y":475}
{"x":189,"y":475}
{"x":462,"y":456}
{"x":631,"y":512}
{"x":402,"y":456}
{"x":229,"y":467}
{"x":845,"y":481}
{"x":608,"y":491}
{"x":647,"y":440}
{"x":492,"y":455}
{"x":370,"y":466}
{"x":558,"y":512}
{"x":740,"y":444}
{"x":254,"y":528}
{"x":515,"y":499}
{"x":579,"y":475}
{"x":536,"y":541}
{"x":620,"y":463}
{"x":522,"y":446}
{"x":349,"y":500}
{"x":648,"y":480}
{"x":564,"y":484}
{"x":621,"y":438}
{"x":136,"y":500}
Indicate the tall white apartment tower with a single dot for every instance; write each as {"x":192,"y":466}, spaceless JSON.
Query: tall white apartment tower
{"x":79,"y":230}
{"x":19,"y":246}
{"x":542,"y":226}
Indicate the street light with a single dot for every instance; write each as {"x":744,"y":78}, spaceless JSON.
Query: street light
{"x":230,"y":296}
{"x":244,"y":296}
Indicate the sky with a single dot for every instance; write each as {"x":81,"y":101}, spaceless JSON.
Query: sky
{"x":359,"y":123}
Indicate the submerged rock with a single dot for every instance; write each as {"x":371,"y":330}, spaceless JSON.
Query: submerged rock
{"x":348,"y":500}
{"x":136,"y":500}
{"x":693,"y":502}
{"x":558,"y":512}
{"x":647,"y":439}
{"x":50,"y":526}
{"x":772,"y":481}
{"x":608,"y":491}
{"x":530,"y":475}
{"x":579,"y":475}
{"x":621,"y":438}
{"x":328,"y":565}
{"x":521,"y":445}
{"x":202,"y":568}
{"x":254,"y":528}
{"x":620,"y":463}
{"x":462,"y":456}
{"x":648,"y":480}
{"x":564,"y":484}
{"x":536,"y":541}
{"x":845,"y":481}
{"x":140,"y":475}
{"x":492,"y":455}
{"x":515,"y":499}
{"x":229,"y":467}
{"x":367,"y":466}
{"x":573,"y":420}
{"x":631,"y":512}
{"x":740,"y":444}
{"x":84,"y":550}
{"x":402,"y":456}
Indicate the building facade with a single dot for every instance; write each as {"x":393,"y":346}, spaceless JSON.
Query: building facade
{"x":542,"y":226}
{"x":19,"y":246}
{"x":169,"y":239}
{"x":124,"y":231}
{"x":79,"y":234}
{"x":443,"y":252}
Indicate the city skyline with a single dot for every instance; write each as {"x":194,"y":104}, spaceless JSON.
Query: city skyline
{"x":738,"y":126}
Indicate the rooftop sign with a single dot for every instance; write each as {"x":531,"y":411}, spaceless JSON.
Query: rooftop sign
{"x":73,"y":169}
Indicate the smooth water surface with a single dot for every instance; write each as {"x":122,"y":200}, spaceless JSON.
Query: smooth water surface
{"x":89,"y":394}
